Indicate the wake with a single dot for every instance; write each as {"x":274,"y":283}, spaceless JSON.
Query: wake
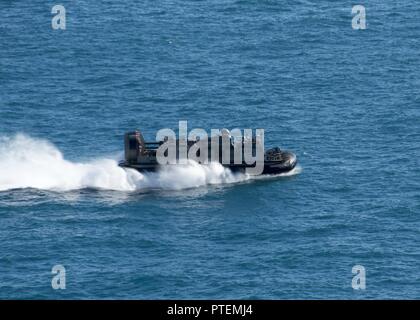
{"x":26,"y":162}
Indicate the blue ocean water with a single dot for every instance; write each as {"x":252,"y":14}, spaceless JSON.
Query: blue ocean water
{"x":346,"y":101}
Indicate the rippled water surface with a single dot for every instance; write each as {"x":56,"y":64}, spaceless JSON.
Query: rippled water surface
{"x":346,"y":101}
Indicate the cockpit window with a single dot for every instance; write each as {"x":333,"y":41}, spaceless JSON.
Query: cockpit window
{"x":133,"y":144}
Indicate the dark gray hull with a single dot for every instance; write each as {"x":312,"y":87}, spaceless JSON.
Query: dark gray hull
{"x":288,"y":163}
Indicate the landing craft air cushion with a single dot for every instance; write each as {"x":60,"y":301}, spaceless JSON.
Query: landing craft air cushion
{"x":142,"y":156}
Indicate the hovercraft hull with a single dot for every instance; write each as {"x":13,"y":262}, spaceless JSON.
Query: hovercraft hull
{"x":288,"y":163}
{"x":142,"y":156}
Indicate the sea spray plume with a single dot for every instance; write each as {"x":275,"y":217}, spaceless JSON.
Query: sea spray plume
{"x":190,"y":175}
{"x":26,"y":162}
